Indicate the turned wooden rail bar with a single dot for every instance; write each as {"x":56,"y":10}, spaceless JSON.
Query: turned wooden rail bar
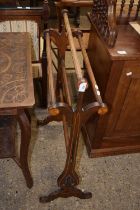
{"x":52,"y":96}
{"x":94,"y":85}
{"x":56,"y":56}
{"x":78,"y":70}
{"x":65,"y":84}
{"x":72,"y":46}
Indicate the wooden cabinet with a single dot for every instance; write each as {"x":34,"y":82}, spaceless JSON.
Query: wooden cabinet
{"x":117,"y":72}
{"x":124,"y":118}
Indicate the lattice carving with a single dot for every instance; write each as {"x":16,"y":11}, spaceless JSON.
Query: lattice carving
{"x":103,"y":18}
{"x":107,"y":14}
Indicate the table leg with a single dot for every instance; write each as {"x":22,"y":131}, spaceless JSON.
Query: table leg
{"x":77,"y":17}
{"x":44,"y":85}
{"x":25,"y":127}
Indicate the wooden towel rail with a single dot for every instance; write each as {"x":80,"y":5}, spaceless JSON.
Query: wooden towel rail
{"x":60,"y":105}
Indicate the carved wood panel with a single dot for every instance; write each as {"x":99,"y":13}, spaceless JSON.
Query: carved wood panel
{"x":106,"y":14}
{"x":15,"y":70}
{"x":103,"y":18}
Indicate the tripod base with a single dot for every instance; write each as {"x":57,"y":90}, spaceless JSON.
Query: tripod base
{"x":65,"y":193}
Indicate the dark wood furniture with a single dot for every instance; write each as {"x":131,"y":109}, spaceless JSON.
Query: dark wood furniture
{"x":63,"y":4}
{"x":32,"y":20}
{"x":61,"y":107}
{"x":17,"y":94}
{"x":114,"y":53}
{"x":8,"y":3}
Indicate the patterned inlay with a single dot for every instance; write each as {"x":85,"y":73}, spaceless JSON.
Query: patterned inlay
{"x":14,"y":67}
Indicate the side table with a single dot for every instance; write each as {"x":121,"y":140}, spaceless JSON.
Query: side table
{"x":17,"y":94}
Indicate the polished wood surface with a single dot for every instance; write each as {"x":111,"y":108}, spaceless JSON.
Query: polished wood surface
{"x":117,"y":72}
{"x":17,"y":94}
{"x":128,"y":40}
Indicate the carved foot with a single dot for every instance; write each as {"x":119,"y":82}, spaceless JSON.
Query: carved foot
{"x":26,"y":172}
{"x":65,"y":193}
{"x":29,"y":182}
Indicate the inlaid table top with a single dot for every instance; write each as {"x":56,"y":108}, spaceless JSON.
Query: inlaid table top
{"x":16,"y":82}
